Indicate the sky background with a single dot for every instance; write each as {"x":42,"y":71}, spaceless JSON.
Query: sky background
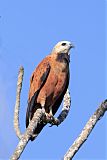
{"x":28,"y":32}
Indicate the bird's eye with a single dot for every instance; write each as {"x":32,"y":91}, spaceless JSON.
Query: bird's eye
{"x":63,"y":44}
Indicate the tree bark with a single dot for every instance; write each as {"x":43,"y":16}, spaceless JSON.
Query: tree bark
{"x":17,"y":104}
{"x":86,"y":131}
{"x":38,"y":116}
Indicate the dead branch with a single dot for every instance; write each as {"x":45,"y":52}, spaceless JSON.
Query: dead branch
{"x":65,"y":110}
{"x":66,"y":107}
{"x":86,"y":131}
{"x":17,"y":105}
{"x":38,"y":116}
{"x":27,"y":135}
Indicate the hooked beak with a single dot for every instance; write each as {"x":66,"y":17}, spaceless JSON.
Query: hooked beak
{"x":72,"y":46}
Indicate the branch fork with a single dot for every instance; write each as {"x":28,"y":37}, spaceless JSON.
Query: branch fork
{"x":38,"y":116}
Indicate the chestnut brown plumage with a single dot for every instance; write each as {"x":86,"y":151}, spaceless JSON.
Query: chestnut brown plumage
{"x":49,"y":83}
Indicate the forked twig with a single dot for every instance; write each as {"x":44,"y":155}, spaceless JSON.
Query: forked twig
{"x":27,"y":135}
{"x":24,"y":138}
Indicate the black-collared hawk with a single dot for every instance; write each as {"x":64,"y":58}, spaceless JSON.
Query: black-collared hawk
{"x":49,"y":83}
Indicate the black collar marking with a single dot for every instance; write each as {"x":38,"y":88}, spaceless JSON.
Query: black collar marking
{"x":63,"y":57}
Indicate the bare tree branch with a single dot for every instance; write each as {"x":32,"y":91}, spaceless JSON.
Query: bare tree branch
{"x":66,"y":107}
{"x":27,"y":135}
{"x":38,"y":116}
{"x":17,"y":105}
{"x":65,"y":110}
{"x":86,"y":131}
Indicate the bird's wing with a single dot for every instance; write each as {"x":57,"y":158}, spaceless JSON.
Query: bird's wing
{"x":37,"y":81}
{"x":61,"y":96}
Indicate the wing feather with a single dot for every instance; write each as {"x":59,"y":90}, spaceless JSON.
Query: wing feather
{"x":37,"y":81}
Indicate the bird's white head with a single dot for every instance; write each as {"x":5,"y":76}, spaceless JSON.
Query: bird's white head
{"x":63,"y":47}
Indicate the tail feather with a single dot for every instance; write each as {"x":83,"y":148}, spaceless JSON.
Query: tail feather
{"x":29,"y":115}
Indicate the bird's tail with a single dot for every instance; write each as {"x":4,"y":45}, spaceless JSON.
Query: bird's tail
{"x":29,"y":116}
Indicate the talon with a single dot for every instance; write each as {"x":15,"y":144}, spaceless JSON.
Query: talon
{"x":49,"y":116}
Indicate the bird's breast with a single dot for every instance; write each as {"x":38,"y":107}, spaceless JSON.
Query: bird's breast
{"x":59,"y":67}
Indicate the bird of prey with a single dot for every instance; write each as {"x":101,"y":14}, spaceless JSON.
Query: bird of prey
{"x":49,"y":83}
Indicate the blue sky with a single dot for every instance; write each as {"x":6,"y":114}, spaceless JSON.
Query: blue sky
{"x":28,"y":32}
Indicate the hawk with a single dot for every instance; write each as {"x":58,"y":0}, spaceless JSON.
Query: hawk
{"x":49,"y":83}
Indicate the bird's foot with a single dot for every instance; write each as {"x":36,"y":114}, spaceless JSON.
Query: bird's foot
{"x":49,"y":117}
{"x":54,"y":122}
